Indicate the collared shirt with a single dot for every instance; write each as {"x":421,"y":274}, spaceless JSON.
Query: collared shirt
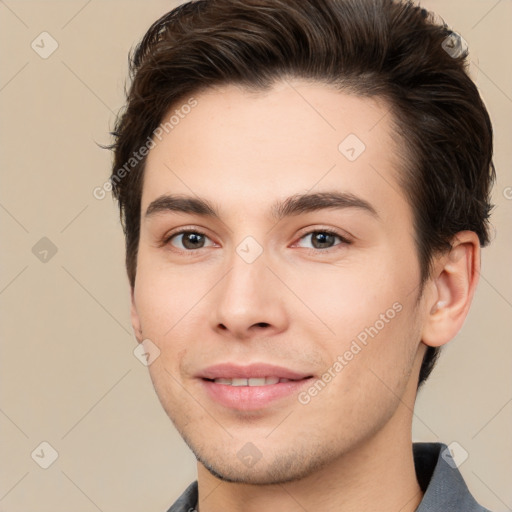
{"x":438,"y":477}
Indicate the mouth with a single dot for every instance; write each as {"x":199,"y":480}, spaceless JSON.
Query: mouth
{"x":253,"y":381}
{"x":252,"y":387}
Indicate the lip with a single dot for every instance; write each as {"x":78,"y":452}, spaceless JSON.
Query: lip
{"x":251,"y":398}
{"x":256,"y":370}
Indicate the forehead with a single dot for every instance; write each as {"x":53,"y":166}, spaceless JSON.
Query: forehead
{"x":246,"y":147}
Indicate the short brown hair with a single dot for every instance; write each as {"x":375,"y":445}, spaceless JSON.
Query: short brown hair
{"x":390,"y":49}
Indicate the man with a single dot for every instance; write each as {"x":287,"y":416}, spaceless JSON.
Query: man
{"x":304,"y":189}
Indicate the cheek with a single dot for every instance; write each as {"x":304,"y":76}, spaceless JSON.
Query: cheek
{"x":369,"y":375}
{"x":171,"y":303}
{"x":350,"y":299}
{"x":372,"y":318}
{"x":378,"y":359}
{"x":165,"y":296}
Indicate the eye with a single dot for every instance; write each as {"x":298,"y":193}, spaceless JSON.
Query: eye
{"x":324,"y":239}
{"x":188,"y":240}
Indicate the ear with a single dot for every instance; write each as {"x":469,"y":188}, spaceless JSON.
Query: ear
{"x":135,"y":318}
{"x":453,"y":285}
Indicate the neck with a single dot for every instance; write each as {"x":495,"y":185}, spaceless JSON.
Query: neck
{"x":378,"y":474}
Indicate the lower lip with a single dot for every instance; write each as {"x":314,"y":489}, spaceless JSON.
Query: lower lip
{"x":251,"y":398}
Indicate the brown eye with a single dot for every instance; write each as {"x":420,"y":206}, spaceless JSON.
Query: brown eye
{"x":189,"y":240}
{"x":323,"y":239}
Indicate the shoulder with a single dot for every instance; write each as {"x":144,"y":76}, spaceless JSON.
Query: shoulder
{"x":441,"y":481}
{"x":187,"y":502}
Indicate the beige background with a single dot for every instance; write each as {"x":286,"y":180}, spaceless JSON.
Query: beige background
{"x":68,"y":373}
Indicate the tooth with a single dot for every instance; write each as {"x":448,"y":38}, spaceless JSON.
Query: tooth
{"x":223,"y":381}
{"x":239,"y":382}
{"x":253,"y":381}
{"x":257,"y":381}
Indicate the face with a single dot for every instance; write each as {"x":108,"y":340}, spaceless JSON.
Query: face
{"x":288,"y":326}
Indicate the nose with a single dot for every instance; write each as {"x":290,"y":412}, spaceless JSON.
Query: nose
{"x":249,"y":301}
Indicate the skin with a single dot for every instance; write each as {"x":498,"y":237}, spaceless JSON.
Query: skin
{"x":296,"y":305}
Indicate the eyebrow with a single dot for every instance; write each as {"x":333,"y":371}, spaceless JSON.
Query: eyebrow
{"x":293,"y":205}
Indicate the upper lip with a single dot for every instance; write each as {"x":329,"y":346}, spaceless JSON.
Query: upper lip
{"x":257,"y":370}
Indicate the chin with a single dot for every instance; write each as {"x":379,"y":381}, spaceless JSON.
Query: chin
{"x":294,"y":465}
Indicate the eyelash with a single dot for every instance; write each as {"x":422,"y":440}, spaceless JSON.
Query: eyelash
{"x":343,"y":240}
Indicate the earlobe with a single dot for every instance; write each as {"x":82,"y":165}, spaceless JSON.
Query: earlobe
{"x":454,"y":281}
{"x":135,"y":318}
